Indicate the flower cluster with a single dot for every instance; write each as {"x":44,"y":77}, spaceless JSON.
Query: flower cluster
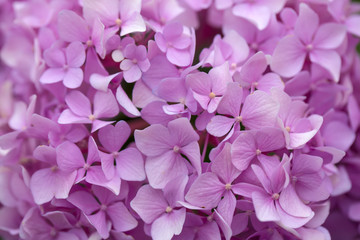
{"x":179,"y":119}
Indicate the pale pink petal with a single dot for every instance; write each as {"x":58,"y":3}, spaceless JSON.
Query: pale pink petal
{"x":181,"y":132}
{"x":135,"y":23}
{"x":75,"y":54}
{"x":179,"y":57}
{"x":306,"y":24}
{"x":255,"y":13}
{"x":329,"y":36}
{"x":149,"y":203}
{"x":52,"y":75}
{"x":220,"y":125}
{"x":120,"y":217}
{"x":243,"y":150}
{"x":100,"y":82}
{"x":69,"y":157}
{"x":153,"y":141}
{"x":130,"y":165}
{"x":269,"y":139}
{"x":192,"y":152}
{"x":168,"y":225}
{"x":206,"y":191}
{"x":226,"y":207}
{"x":328,"y":59}
{"x":231,"y":101}
{"x":289,"y":220}
{"x":105,"y":105}
{"x":292,"y":204}
{"x":72,"y":27}
{"x":113,"y":137}
{"x":96,"y":176}
{"x":162,"y":169}
{"x":98,"y":220}
{"x":352,"y":24}
{"x":78,"y":103}
{"x":259,"y":110}
{"x":126,"y":103}
{"x":47,"y":183}
{"x":299,"y":139}
{"x":67,"y":117}
{"x":73,"y":78}
{"x":264,"y":207}
{"x":270,"y":80}
{"x":84,"y":201}
{"x":288,"y":57}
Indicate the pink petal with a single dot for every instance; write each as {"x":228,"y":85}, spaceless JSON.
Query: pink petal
{"x":52,"y":75}
{"x":192,"y":152}
{"x":257,"y":14}
{"x":45,"y":154}
{"x":352,"y":24}
{"x":162,"y":169}
{"x":264,"y":207}
{"x":226,"y":207}
{"x":259,"y":110}
{"x":96,"y":176}
{"x":98,"y":220}
{"x":254,"y":67}
{"x":299,"y":139}
{"x":231,"y":101}
{"x":84,"y":201}
{"x":206,"y":191}
{"x":78,"y":103}
{"x":342,"y":138}
{"x":153,"y":140}
{"x":46,"y":184}
{"x":113,"y":137}
{"x":220,"y":125}
{"x":292,"y":204}
{"x":168,"y":225}
{"x":288,"y":57}
{"x":69,"y":157}
{"x":291,"y":221}
{"x":130,"y":165}
{"x":67,"y":117}
{"x":328,"y":59}
{"x":269,"y":139}
{"x":132,"y":74}
{"x":120,"y":217}
{"x":105,"y":105}
{"x":270,"y":80}
{"x":73,"y":78}
{"x":181,"y":58}
{"x":133,"y":24}
{"x":126,"y":103}
{"x":243,"y":150}
{"x":72,"y":27}
{"x":149,"y":203}
{"x":306,"y":24}
{"x":100,"y":82}
{"x":182,"y":132}
{"x":107,"y":11}
{"x":107,"y":164}
{"x":75,"y":54}
{"x":329,"y":36}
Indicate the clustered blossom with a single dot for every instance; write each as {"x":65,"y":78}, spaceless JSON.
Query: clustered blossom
{"x":179,"y":119}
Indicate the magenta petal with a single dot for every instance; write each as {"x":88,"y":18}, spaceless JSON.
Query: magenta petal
{"x":45,"y":154}
{"x":73,"y":78}
{"x":206,"y":191}
{"x":231,"y":101}
{"x":69,"y":157}
{"x":47,"y":183}
{"x":107,"y":164}
{"x":78,"y":103}
{"x":120,"y":217}
{"x":72,"y":27}
{"x":223,"y":167}
{"x":182,"y":132}
{"x":52,"y":75}
{"x":149,"y":203}
{"x":328,"y":59}
{"x":113,"y":137}
{"x":270,"y":139}
{"x":130,"y":165}
{"x":264,"y":207}
{"x":288,"y":57}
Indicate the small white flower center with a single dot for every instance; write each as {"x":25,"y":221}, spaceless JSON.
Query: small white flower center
{"x":176,"y":149}
{"x":103,"y":207}
{"x":258,"y":152}
{"x":118,"y":22}
{"x":275,"y":196}
{"x":91,"y":117}
{"x":238,"y":119}
{"x":228,"y":186}
{"x":287,"y":128}
{"x":212,"y":95}
{"x":168,"y":209}
{"x":89,"y":43}
{"x":309,"y":47}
